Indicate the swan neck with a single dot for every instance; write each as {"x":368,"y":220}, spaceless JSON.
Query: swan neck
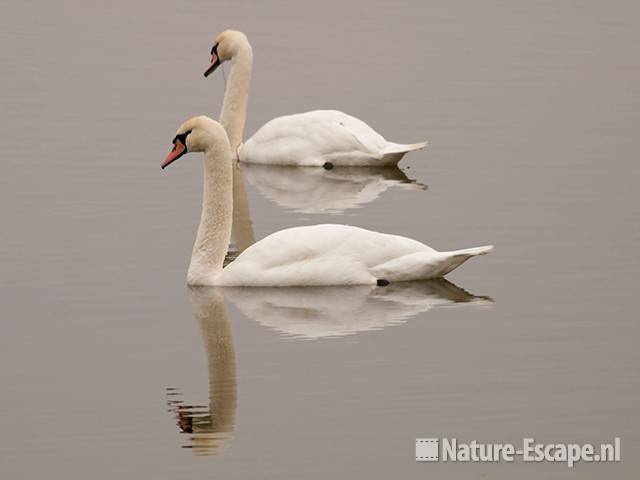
{"x":236,"y":96}
{"x":214,"y":231}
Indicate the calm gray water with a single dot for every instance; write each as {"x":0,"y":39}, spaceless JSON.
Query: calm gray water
{"x":106,"y":358}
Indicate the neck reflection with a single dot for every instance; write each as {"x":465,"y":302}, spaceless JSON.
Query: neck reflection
{"x":209,"y":428}
{"x":242,"y":226}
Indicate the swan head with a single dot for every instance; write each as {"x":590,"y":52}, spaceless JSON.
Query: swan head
{"x":198,"y":134}
{"x":226,"y":45}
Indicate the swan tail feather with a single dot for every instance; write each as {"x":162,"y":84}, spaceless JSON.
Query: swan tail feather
{"x":471,"y":252}
{"x":394,"y":152}
{"x":425,"y":265}
{"x":454,"y":259}
{"x":403,"y":148}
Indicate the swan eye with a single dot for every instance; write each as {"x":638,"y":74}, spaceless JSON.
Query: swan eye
{"x":182,"y":137}
{"x":214,"y":49}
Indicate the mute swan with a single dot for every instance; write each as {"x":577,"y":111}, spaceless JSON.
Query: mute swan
{"x":301,"y":256}
{"x":318,"y":138}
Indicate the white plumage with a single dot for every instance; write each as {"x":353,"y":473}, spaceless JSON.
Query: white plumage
{"x":319,"y":138}
{"x":302,"y":256}
{"x":339,"y":255}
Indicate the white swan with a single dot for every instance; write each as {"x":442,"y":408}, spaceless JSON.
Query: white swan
{"x":314,"y":255}
{"x":317,"y":138}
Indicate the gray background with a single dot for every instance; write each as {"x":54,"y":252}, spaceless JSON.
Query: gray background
{"x":532,"y":110}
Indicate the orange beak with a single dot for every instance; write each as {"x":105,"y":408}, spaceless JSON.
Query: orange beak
{"x":176,"y":152}
{"x":215,"y":62}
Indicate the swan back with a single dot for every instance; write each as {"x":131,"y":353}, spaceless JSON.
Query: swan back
{"x":314,"y":138}
{"x":318,"y":255}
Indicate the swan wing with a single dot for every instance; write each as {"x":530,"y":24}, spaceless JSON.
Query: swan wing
{"x":320,"y":255}
{"x":314,"y":138}
{"x":425,"y":265}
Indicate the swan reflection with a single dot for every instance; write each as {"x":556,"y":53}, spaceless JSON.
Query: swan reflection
{"x":325,"y":312}
{"x":295,"y":312}
{"x":242,"y":226}
{"x":316,"y":190}
{"x":209,"y":427}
